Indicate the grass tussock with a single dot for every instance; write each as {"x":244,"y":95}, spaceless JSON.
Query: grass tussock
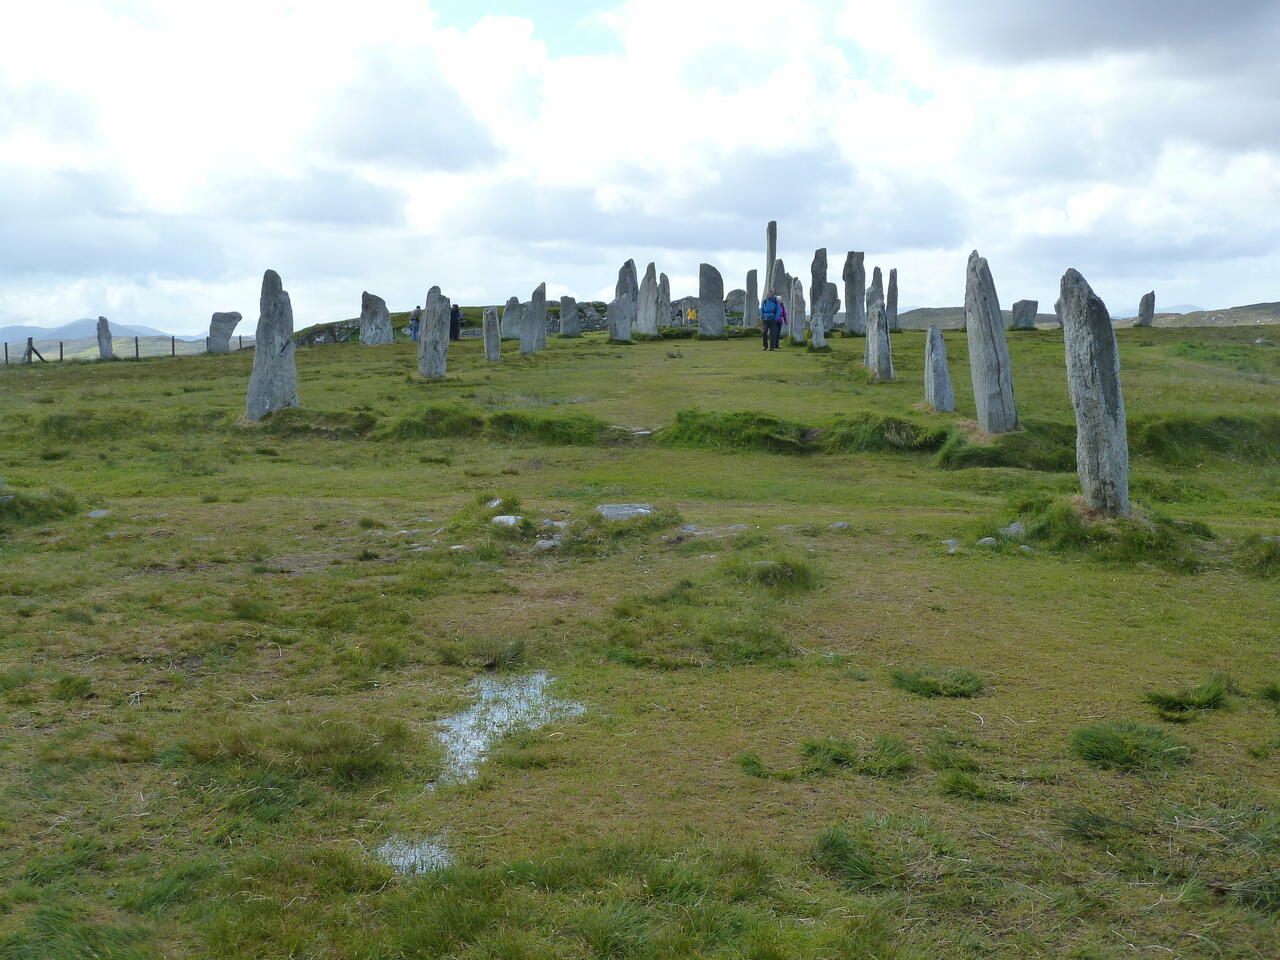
{"x":565,"y":429}
{"x":781,"y":575}
{"x":1125,"y":745}
{"x":1039,"y":445}
{"x":887,"y":757}
{"x":20,"y":508}
{"x":306,"y":422}
{"x":958,"y":783}
{"x":1188,"y":439}
{"x":742,"y":430}
{"x":436,"y":422}
{"x":1180,"y":704}
{"x":871,"y":433}
{"x":939,"y":682}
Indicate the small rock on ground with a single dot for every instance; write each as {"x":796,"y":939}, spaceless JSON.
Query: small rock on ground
{"x":624,"y":511}
{"x":988,"y":542}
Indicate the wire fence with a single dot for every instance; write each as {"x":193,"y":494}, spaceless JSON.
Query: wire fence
{"x":35,"y":350}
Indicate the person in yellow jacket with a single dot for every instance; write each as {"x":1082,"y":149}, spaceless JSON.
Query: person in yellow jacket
{"x":693,"y":315}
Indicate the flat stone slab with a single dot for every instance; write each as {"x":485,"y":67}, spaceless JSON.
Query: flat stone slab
{"x":624,"y":511}
{"x":98,"y":514}
{"x":507,"y":520}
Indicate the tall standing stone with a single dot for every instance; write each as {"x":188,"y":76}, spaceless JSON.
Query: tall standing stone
{"x":433,"y":344}
{"x":823,"y":313}
{"x":1146,"y":310}
{"x":273,"y":384}
{"x":855,"y":305}
{"x":647,"y":303}
{"x":512,"y":319}
{"x":771,"y":255}
{"x":751,"y":305}
{"x":105,"y":350}
{"x":817,"y":278}
{"x":879,"y":346}
{"x":220,"y":329}
{"x":492,"y":335}
{"x":891,"y":302}
{"x":778,"y":282}
{"x":570,"y":324}
{"x":375,"y":320}
{"x":533,"y":325}
{"x":664,"y":300}
{"x":796,"y":311}
{"x":938,"y":392}
{"x":1057,"y":310}
{"x":1093,"y":380}
{"x":875,"y":292}
{"x":622,"y":312}
{"x":1024,"y":315}
{"x":988,"y":351}
{"x":710,"y":301}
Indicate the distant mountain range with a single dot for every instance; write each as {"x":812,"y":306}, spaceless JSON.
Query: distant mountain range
{"x":85,"y":327}
{"x":1255,"y":314}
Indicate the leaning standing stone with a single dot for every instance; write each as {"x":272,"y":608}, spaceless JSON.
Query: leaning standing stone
{"x":492,"y":335}
{"x":220,"y":329}
{"x":664,"y":300}
{"x":879,"y":347}
{"x":1057,"y":310}
{"x":1146,"y":310}
{"x":105,"y":351}
{"x":1093,"y":380}
{"x":710,"y":301}
{"x":1024,"y":315}
{"x":375,"y":321}
{"x":988,"y":351}
{"x":273,"y":384}
{"x":512,"y":319}
{"x":938,"y":392}
{"x":570,"y":325}
{"x":647,"y":303}
{"x":855,"y":305}
{"x":891,"y":302}
{"x":433,"y":345}
{"x":622,"y":312}
{"x":751,"y":305}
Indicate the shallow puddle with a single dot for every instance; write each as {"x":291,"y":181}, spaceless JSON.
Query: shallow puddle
{"x":504,"y":705}
{"x":412,"y":857}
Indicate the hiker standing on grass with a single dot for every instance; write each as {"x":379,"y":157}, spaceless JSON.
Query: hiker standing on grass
{"x":772,"y":317}
{"x":455,"y":322}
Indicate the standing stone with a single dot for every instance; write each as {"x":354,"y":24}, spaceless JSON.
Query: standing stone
{"x":875,"y":293}
{"x":1024,"y":315}
{"x":817,"y":278}
{"x":891,"y":302}
{"x":855,"y":305}
{"x":796,"y":310}
{"x":647,"y":303}
{"x":988,"y":351}
{"x":1057,"y":310}
{"x":879,"y":347}
{"x":492,"y":335}
{"x":778,"y":282}
{"x":751,"y":305}
{"x":938,"y":392}
{"x":273,"y":384}
{"x":512,"y":319}
{"x":533,"y":323}
{"x":771,"y":255}
{"x":1093,"y":380}
{"x":105,"y":351}
{"x":1146,"y":310}
{"x":433,"y":344}
{"x":622,"y":312}
{"x":710,"y":301}
{"x":570,"y":325}
{"x":664,"y":300}
{"x":375,"y":321}
{"x":823,"y":312}
{"x":220,"y":329}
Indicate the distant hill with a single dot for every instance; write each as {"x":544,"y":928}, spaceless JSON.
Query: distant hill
{"x":952,"y":318}
{"x":84,"y":327}
{"x":1256,"y":314}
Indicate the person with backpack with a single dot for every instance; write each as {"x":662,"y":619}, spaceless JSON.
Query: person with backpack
{"x":455,"y":322}
{"x":773,"y":314}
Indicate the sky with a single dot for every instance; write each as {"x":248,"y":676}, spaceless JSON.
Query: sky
{"x":157,"y":157}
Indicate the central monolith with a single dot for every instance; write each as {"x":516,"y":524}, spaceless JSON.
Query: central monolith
{"x":988,"y":350}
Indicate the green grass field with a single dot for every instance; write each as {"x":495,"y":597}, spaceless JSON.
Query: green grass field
{"x":810,"y":730}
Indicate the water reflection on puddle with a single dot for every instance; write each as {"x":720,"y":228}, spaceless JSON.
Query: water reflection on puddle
{"x":412,"y":857}
{"x":504,"y":705}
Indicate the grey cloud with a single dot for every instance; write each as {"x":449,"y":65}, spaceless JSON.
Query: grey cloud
{"x":315,"y":196}
{"x":59,"y":115}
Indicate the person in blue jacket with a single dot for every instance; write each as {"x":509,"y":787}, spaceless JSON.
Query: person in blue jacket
{"x":772,"y":316}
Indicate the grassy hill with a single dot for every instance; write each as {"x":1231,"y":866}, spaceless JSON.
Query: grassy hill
{"x":787,"y":719}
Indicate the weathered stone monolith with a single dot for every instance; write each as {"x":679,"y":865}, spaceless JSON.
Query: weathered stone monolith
{"x":647,"y":304}
{"x":891,"y":302}
{"x":879,"y":347}
{"x":751,"y":305}
{"x":1146,"y":310}
{"x":273,"y":384}
{"x":710,"y":302}
{"x":817,"y":278}
{"x":570,"y":324}
{"x":105,"y":350}
{"x":220,"y":329}
{"x":875,"y":293}
{"x":1093,"y":380}
{"x":823,"y":312}
{"x":855,"y":293}
{"x":512,"y":319}
{"x":433,"y":344}
{"x":778,"y":283}
{"x":988,"y":351}
{"x":533,"y":326}
{"x":622,"y":312}
{"x":796,"y":311}
{"x":492,"y":335}
{"x":664,"y":300}
{"x":771,"y":253}
{"x":1024,"y":315}
{"x":938,"y":392}
{"x":375,"y":320}
{"x":1057,"y":310}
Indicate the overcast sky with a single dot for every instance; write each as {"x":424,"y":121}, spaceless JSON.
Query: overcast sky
{"x":156,"y":157}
